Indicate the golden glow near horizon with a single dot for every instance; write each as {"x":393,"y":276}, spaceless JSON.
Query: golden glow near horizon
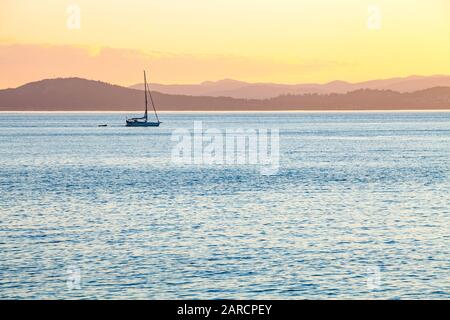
{"x":188,"y":41}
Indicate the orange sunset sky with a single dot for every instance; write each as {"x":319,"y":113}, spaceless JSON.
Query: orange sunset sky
{"x":190,"y":41}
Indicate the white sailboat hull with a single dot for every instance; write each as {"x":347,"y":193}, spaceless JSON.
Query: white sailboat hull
{"x":142,"y":124}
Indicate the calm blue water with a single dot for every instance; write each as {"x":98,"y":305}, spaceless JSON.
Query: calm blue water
{"x":360,"y":208}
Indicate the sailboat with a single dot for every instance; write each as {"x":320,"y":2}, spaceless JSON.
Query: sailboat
{"x":143,"y":121}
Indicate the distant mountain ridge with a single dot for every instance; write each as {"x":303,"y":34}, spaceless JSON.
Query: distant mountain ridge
{"x":76,"y":94}
{"x":239,"y":89}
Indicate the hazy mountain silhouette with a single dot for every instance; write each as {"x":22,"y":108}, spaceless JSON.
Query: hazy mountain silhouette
{"x":79,"y":95}
{"x":239,"y":89}
{"x":207,"y":88}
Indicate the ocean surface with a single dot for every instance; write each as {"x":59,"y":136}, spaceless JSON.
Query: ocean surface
{"x":359,"y":208}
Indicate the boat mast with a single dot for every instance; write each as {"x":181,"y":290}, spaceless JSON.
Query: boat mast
{"x":151,"y":99}
{"x":145,"y":81}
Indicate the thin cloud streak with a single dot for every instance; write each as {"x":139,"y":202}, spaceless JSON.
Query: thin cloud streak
{"x":24,"y":63}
